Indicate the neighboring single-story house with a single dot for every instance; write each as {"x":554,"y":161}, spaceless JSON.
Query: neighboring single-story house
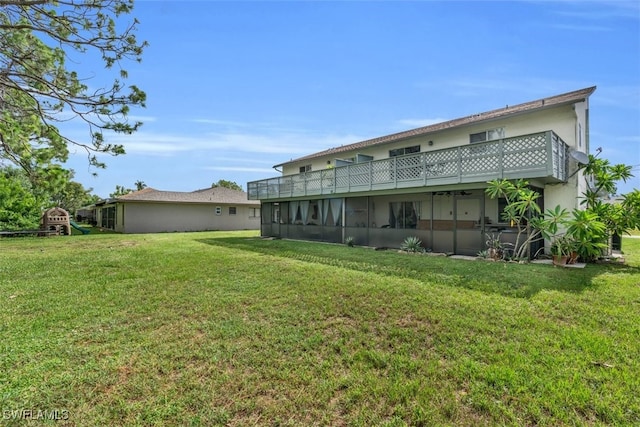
{"x":430,"y":182}
{"x":155,"y":211}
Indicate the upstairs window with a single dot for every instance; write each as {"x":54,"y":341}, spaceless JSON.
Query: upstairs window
{"x":487,"y":135}
{"x":402,"y":151}
{"x":305,"y":168}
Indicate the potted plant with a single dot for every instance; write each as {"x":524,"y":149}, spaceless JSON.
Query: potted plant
{"x":495,"y":248}
{"x":561,"y":250}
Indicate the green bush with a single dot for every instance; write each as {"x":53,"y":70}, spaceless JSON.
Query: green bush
{"x":412,"y":244}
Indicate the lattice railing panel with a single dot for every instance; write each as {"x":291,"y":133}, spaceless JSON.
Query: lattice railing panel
{"x":525,"y":160}
{"x":382,"y":165}
{"x":286,"y":186}
{"x":342,"y":177}
{"x":441,"y":163}
{"x":559,"y":158}
{"x":480,"y":166}
{"x":273,"y":187}
{"x":480,"y":159}
{"x":410,"y":168}
{"x":528,"y":154}
{"x":328,"y":176}
{"x":527,"y":142}
{"x":298,"y":184}
{"x":359,"y":174}
{"x":313,"y":181}
{"x":480,"y":151}
{"x":382,"y":171}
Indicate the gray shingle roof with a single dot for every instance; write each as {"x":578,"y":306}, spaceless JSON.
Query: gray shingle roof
{"x":553,"y":101}
{"x":219,"y":195}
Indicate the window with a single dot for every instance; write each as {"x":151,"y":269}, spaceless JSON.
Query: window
{"x":487,"y":135}
{"x":108,"y":219}
{"x":254,"y":212}
{"x":232,"y":210}
{"x":404,"y":214}
{"x":218,"y":210}
{"x":305,"y":168}
{"x":403,"y":151}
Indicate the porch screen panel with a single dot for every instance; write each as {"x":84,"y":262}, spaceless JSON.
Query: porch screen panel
{"x":304,"y":211}
{"x":357,"y":214}
{"x":336,"y":210}
{"x":325,"y":211}
{"x":293,"y":208}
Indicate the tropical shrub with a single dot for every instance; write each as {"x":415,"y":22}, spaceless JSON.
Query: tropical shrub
{"x":411,"y":244}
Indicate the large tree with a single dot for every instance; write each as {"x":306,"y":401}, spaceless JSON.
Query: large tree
{"x":19,"y":207}
{"x":227,"y":184}
{"x":38,"y":91}
{"x":72,"y":195}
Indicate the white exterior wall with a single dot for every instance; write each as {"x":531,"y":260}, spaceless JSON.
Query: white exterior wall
{"x":569,"y":122}
{"x":169,"y":217}
{"x":560,"y":119}
{"x":569,"y":195}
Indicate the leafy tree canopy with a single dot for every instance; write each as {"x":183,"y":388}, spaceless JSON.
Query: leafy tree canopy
{"x":227,"y":184}
{"x":72,"y":196}
{"x":121,"y":190}
{"x":19,"y":207}
{"x":22,"y":203}
{"x":38,"y":91}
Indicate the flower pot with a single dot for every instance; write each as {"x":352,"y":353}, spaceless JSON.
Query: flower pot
{"x":560,"y":259}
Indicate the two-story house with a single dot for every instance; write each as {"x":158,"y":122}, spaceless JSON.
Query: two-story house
{"x":430,"y":182}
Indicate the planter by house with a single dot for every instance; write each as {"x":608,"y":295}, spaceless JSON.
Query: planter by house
{"x":560,"y":259}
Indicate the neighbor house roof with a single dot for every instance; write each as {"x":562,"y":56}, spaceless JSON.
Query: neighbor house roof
{"x":220,"y":195}
{"x":553,"y":101}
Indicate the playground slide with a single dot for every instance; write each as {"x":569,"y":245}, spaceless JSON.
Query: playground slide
{"x":77,"y":227}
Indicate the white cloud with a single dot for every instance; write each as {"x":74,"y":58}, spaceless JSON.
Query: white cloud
{"x":290,"y":144}
{"x":219,"y":122}
{"x":618,"y":96}
{"x":599,"y":10}
{"x":144,"y":119}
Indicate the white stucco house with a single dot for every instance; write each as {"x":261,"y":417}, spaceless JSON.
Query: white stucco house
{"x":155,"y":211}
{"x":430,"y":182}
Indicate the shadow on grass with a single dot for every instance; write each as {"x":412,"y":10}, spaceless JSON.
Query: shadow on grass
{"x":508,"y":279}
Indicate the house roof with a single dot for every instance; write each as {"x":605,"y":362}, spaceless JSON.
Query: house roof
{"x":543,"y":103}
{"x":220,"y":195}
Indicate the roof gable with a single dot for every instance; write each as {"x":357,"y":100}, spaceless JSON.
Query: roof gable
{"x":215,"y":195}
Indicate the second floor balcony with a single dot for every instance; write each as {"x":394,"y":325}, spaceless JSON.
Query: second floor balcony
{"x":540,"y":155}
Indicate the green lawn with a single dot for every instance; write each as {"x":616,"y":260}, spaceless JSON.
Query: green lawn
{"x":228,"y":329}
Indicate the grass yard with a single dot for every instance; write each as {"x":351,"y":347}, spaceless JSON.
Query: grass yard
{"x":227,"y":329}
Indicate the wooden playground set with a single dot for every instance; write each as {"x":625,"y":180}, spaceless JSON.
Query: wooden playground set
{"x":54,"y":222}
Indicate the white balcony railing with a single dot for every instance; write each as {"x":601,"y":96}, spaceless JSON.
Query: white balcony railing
{"x":540,"y":155}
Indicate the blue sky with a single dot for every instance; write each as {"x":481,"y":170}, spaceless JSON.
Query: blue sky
{"x":236,"y":87}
